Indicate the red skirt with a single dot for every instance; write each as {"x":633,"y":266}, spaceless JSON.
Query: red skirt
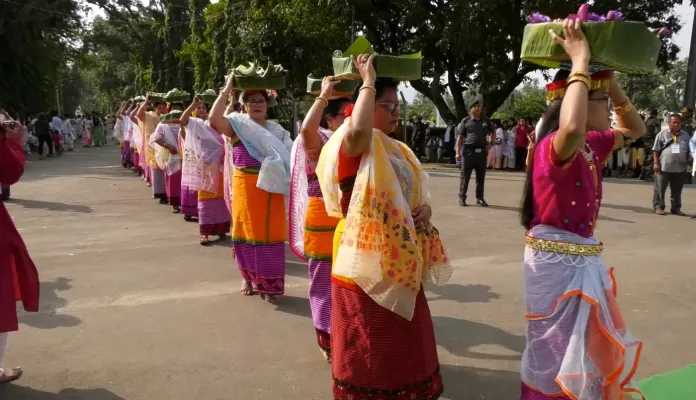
{"x":379,"y":355}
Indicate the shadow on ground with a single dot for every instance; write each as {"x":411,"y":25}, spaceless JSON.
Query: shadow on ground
{"x":462,"y":293}
{"x":47,"y":318}
{"x":469,"y":383}
{"x":51,"y":205}
{"x":459,"y":336}
{"x":295,"y":305}
{"x":12,"y":392}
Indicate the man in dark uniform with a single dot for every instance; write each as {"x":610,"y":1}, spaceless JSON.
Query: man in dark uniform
{"x":653,"y":127}
{"x":472,"y":144}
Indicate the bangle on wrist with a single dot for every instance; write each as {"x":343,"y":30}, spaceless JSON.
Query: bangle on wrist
{"x":370,"y":88}
{"x":579,"y":78}
{"x":324,"y":99}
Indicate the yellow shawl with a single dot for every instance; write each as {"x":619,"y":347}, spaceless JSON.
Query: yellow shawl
{"x":379,"y":249}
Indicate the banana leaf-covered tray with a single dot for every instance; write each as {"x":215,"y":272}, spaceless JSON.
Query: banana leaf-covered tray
{"x":138,"y":99}
{"x":172,"y":116}
{"x":405,"y":67}
{"x":344,"y":88}
{"x":156,"y":97}
{"x":254,"y":76}
{"x":208,"y":96}
{"x":624,"y":46}
{"x":177,"y":96}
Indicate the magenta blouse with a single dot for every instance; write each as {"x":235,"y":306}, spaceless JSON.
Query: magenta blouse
{"x":567,"y":194}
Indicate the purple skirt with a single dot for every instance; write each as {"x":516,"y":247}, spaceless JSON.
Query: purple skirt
{"x":159,"y":186}
{"x":262,"y":265}
{"x":189,"y":202}
{"x":173,"y":183}
{"x":320,"y":294}
{"x":214,"y":217}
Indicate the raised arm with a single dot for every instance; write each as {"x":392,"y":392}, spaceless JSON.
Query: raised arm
{"x":630,"y":124}
{"x":310,"y":125}
{"x":184,"y":120}
{"x":359,"y":134}
{"x":216,"y":117}
{"x":121,"y":109}
{"x":573,"y":120}
{"x":231,"y":104}
{"x":132,"y":112}
{"x":140,"y":114}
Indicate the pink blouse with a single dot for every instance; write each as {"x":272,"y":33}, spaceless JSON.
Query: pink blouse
{"x":567,"y":194}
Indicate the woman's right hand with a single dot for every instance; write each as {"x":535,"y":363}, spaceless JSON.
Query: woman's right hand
{"x":196,"y":101}
{"x":573,"y":41}
{"x":229,"y":84}
{"x":367,"y":71}
{"x":327,"y":87}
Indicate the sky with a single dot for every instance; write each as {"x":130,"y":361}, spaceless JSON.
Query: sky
{"x":682,"y":39}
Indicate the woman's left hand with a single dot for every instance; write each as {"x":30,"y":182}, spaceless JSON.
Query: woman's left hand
{"x":421,"y":218}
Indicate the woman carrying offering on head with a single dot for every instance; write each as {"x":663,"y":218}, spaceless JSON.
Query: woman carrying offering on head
{"x":204,"y":156}
{"x":578,"y":346}
{"x":311,"y":228}
{"x":382,"y":339}
{"x":259,"y":182}
{"x":165,"y":141}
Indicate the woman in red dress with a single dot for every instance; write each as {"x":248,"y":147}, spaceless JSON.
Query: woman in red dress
{"x":19,"y":279}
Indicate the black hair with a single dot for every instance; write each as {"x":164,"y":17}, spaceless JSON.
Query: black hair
{"x":247,"y":93}
{"x":176,"y":104}
{"x":332,"y":109}
{"x":549,"y":124}
{"x":673,"y":115}
{"x":653,"y":112}
{"x":381,"y":86}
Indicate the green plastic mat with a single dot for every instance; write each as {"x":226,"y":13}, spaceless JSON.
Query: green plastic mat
{"x":679,"y":384}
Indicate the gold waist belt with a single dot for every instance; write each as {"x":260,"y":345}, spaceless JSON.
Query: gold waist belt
{"x":574,"y":249}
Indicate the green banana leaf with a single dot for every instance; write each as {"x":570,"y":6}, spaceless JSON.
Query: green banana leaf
{"x":177,"y":96}
{"x":253,"y":76}
{"x":404,"y":67}
{"x":170,"y":116}
{"x":628,"y":47}
{"x":208,"y":96}
{"x":344,"y":86}
{"x":256,"y":82}
{"x":156,"y":97}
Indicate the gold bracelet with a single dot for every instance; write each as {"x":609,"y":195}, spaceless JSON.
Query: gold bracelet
{"x":369,"y":87}
{"x":624,"y":108}
{"x":579,"y":79}
{"x":324,"y":99}
{"x":580,"y":74}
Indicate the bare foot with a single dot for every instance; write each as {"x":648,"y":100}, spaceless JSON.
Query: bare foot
{"x":326,"y":355}
{"x":271,"y":298}
{"x":247,"y":289}
{"x":10,"y":375}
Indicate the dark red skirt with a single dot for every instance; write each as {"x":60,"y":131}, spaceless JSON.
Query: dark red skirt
{"x":379,"y":355}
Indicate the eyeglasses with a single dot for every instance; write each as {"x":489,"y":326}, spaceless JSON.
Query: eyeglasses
{"x":389,"y":106}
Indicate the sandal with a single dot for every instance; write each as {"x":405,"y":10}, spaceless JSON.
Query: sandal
{"x":188,"y":218}
{"x":659,"y":212}
{"x":205,"y":241}
{"x":176,"y":210}
{"x":13,"y":375}
{"x":247,"y":289}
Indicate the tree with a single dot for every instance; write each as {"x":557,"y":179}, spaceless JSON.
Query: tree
{"x":664,"y":91}
{"x":37,"y":41}
{"x":421,"y":107}
{"x":481,"y":46}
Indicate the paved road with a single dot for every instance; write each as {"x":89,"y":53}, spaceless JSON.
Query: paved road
{"x":133,"y":308}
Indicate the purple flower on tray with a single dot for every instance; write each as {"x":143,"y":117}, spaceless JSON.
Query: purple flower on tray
{"x":596,"y":18}
{"x":538,"y":18}
{"x":615,"y":15}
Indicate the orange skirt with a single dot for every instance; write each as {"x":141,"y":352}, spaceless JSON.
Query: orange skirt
{"x":258,"y":216}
